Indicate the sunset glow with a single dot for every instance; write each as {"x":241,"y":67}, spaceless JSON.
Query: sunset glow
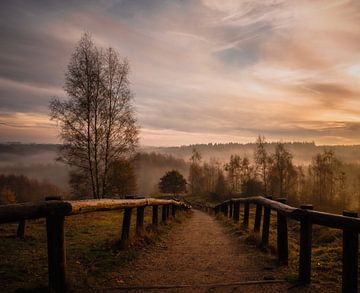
{"x":202,"y":71}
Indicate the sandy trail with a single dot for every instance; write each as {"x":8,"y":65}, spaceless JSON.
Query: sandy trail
{"x":200,"y":256}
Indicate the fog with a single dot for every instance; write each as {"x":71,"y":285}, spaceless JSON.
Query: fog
{"x":39,"y":161}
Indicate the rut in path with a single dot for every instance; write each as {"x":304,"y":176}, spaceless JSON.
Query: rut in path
{"x":200,"y":256}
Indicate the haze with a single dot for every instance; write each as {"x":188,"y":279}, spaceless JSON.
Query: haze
{"x":203,"y":71}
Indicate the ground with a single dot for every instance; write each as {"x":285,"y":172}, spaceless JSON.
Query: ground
{"x":194,"y":253}
{"x":201,"y":256}
{"x":93,"y":254}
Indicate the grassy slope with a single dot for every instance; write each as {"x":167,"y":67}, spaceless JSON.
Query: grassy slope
{"x":92,"y":253}
{"x":326,"y":250}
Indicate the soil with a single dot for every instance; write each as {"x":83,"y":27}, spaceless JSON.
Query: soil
{"x":200,"y":255}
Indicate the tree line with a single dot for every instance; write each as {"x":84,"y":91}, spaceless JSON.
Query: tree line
{"x":138,"y":174}
{"x":326,"y":182}
{"x":19,"y":188}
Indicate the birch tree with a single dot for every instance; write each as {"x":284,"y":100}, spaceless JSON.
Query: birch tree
{"x":97,"y":122}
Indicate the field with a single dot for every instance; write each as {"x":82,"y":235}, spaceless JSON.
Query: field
{"x":93,"y":255}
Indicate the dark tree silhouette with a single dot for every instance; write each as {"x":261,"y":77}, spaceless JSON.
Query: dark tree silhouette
{"x":19,"y":188}
{"x":97,"y":124}
{"x":233,"y":173}
{"x":196,"y":177}
{"x":122,"y":179}
{"x":172,"y":182}
{"x":327,"y":174}
{"x":282,"y":171}
{"x":262,"y":161}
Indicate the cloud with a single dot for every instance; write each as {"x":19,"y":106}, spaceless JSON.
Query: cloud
{"x":26,"y":97}
{"x":330,"y":94}
{"x":30,"y":127}
{"x":200,"y":69}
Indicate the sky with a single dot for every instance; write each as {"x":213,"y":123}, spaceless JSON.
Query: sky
{"x":202,"y":71}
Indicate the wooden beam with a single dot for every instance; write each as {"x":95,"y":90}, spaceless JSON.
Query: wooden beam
{"x":125,"y":231}
{"x":350,"y":255}
{"x":305,"y":247}
{"x":155,"y":215}
{"x":35,"y":210}
{"x":20,"y":233}
{"x":266,"y":226}
{"x":282,"y":236}
{"x":236,"y":212}
{"x":173,"y":211}
{"x":258,"y":214}
{"x":163,"y":214}
{"x":139,"y":220}
{"x":246,"y":214}
{"x":56,"y":252}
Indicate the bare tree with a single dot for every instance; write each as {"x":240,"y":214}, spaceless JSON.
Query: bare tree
{"x":121,"y":133}
{"x":196,"y":178}
{"x":233,"y":173}
{"x":97,"y":124}
{"x":282,"y":171}
{"x":326,"y":171}
{"x":262,"y":161}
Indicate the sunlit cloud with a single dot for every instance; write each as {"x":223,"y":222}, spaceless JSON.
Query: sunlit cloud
{"x":202,"y":71}
{"x":31,"y":127}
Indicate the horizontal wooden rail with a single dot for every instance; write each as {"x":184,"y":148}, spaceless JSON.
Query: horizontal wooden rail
{"x":36,"y":210}
{"x":54,"y":210}
{"x":24,"y":211}
{"x":348,"y":223}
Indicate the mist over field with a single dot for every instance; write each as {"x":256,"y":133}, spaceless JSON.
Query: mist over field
{"x":38,"y":161}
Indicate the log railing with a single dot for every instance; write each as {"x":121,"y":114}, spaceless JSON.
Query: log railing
{"x":54,"y":210}
{"x":306,"y":216}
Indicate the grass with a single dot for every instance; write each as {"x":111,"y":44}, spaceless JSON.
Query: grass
{"x":93,"y":253}
{"x":326,"y":249}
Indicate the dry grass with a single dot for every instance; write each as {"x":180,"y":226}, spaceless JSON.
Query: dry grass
{"x":93,"y":255}
{"x":326,"y":249}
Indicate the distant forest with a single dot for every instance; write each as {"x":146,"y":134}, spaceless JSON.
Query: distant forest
{"x":302,"y":151}
{"x":38,"y":162}
{"x":335,"y":167}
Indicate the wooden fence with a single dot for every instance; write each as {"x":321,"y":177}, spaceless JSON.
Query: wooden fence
{"x":55,"y":210}
{"x":348,"y":223}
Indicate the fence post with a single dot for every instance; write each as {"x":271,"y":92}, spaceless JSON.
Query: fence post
{"x":167,"y":212}
{"x":224,"y":208}
{"x":139,"y":220}
{"x":236,"y":212}
{"x":56,"y":251}
{"x":173,"y":210}
{"x":163,"y":214}
{"x":246,"y":214}
{"x":350,"y":258}
{"x":282,"y":236}
{"x":125,"y":232}
{"x":258,"y":214}
{"x":305,"y":247}
{"x":266,"y":225}
{"x":20,"y":233}
{"x":155,"y":215}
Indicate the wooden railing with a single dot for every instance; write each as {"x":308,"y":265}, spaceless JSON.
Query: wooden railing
{"x":347,"y":222}
{"x":55,"y":210}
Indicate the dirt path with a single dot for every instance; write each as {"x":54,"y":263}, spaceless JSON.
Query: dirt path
{"x":200,"y":256}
